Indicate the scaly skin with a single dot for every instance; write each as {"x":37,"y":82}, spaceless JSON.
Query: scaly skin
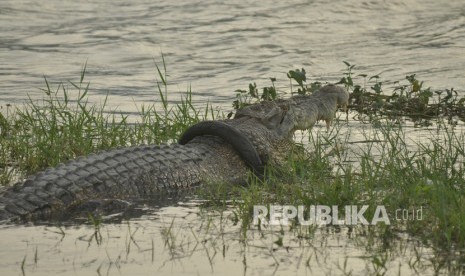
{"x":144,"y":171}
{"x":134,"y":172}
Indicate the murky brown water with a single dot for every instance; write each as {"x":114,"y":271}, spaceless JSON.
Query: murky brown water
{"x":220,"y":46}
{"x":215,"y":47}
{"x":182,"y":240}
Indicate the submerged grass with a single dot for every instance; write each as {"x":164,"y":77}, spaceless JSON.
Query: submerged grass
{"x":386,"y":168}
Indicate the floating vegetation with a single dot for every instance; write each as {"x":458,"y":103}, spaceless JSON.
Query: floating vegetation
{"x":411,"y":100}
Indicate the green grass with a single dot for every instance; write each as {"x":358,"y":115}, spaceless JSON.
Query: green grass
{"x":388,"y":170}
{"x":388,"y":173}
{"x":65,"y":125}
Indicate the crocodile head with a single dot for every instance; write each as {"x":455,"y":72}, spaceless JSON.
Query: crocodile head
{"x":300,"y":112}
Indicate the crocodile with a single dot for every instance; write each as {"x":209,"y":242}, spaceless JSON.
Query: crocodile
{"x":225,"y":150}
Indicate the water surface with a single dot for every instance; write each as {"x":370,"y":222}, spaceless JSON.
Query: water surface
{"x":219,"y":46}
{"x":182,"y":240}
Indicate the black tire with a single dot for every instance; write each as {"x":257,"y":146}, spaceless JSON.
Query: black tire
{"x":232,"y":136}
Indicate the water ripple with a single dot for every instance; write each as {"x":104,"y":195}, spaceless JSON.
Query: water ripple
{"x":218,"y":47}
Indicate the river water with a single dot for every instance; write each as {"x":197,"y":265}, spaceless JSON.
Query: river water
{"x":217,"y":47}
{"x":214,"y":47}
